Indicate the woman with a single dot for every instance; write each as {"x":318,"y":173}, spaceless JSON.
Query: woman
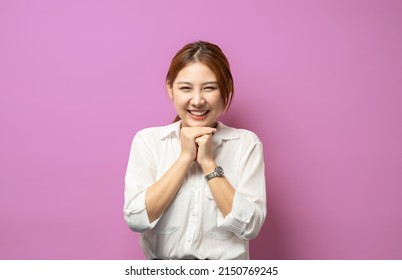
{"x":195,"y":189}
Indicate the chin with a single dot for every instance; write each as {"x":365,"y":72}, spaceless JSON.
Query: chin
{"x":192,"y":123}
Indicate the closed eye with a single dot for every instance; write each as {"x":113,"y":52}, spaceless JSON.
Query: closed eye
{"x":208,"y":89}
{"x":185,"y":89}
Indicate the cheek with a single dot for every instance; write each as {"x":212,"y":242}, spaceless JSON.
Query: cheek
{"x":180,"y":102}
{"x":217,"y":102}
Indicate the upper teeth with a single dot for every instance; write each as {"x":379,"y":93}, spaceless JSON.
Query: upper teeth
{"x":198,"y":113}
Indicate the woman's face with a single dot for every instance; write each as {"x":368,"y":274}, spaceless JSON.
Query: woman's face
{"x":196,"y":96}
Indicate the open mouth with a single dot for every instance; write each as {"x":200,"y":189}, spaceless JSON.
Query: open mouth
{"x":198,"y":113}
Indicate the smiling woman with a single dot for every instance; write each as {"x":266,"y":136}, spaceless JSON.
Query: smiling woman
{"x":196,"y":96}
{"x":209,"y":56}
{"x":196,"y":187}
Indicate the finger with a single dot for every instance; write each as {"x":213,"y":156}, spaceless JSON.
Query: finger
{"x":204,"y":132}
{"x":205,"y":136}
{"x":208,"y":130}
{"x":195,"y":132}
{"x":202,"y":139}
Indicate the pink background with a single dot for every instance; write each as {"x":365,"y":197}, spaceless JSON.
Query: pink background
{"x":319,"y":81}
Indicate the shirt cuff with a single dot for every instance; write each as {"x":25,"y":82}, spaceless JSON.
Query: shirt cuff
{"x":240,"y":216}
{"x":137,"y":216}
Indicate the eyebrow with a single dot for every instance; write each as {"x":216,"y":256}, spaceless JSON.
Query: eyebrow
{"x":206,"y":83}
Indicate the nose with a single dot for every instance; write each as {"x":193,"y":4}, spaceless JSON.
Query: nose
{"x":197,"y":99}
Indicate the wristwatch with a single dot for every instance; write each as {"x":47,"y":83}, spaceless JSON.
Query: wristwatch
{"x":218,"y":172}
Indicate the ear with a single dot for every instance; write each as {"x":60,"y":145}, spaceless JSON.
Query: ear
{"x":169,"y":89}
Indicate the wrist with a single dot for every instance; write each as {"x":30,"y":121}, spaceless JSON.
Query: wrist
{"x":208,"y":166}
{"x":218,"y":172}
{"x":186,"y":159}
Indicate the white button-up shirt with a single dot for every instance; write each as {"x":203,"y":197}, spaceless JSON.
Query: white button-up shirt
{"x":193,"y":226}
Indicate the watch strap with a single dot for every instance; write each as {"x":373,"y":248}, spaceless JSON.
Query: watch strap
{"x":218,"y":172}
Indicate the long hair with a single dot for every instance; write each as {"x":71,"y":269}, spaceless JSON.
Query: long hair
{"x":210,"y":55}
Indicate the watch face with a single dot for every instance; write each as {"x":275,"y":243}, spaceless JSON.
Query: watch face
{"x":219,"y":170}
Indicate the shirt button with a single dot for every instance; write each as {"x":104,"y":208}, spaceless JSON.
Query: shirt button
{"x":193,"y":213}
{"x":196,"y":187}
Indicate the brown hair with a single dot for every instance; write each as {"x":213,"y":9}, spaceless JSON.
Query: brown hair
{"x":210,"y":55}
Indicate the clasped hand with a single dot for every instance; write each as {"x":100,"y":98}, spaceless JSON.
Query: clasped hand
{"x":196,"y":144}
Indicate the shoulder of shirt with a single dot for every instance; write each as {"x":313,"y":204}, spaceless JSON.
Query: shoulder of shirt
{"x":158,"y":132}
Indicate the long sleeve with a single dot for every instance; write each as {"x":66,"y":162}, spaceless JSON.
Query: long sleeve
{"x":140,"y":174}
{"x":249,"y":204}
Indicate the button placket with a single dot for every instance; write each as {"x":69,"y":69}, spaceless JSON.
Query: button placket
{"x":192,"y":218}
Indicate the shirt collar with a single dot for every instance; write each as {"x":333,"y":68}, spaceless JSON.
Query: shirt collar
{"x":223,"y":132}
{"x":171,"y":128}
